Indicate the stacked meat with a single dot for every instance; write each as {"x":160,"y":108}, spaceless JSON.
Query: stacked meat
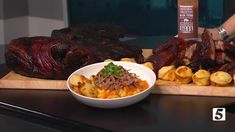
{"x":197,"y":54}
{"x":66,"y":50}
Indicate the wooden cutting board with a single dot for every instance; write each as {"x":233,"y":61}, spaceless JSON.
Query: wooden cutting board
{"x":16,"y":81}
{"x":168,"y":87}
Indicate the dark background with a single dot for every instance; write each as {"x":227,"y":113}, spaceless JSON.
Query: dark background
{"x":145,"y":17}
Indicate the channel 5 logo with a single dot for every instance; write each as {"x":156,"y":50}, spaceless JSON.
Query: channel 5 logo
{"x":218,"y":114}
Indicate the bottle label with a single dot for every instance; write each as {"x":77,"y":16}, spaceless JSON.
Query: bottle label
{"x":186,"y":19}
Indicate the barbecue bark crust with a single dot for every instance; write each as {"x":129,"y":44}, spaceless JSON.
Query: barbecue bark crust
{"x":204,"y":54}
{"x":67,"y":49}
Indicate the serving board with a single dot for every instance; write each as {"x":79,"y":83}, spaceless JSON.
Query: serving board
{"x":16,"y":81}
{"x":168,"y":87}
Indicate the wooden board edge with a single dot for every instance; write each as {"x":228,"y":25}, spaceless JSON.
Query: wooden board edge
{"x":170,"y":90}
{"x":33,"y":84}
{"x":196,"y":91}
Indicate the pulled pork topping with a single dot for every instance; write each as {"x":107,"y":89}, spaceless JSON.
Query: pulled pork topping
{"x":114,"y":77}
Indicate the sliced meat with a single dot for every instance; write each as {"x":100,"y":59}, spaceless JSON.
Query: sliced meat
{"x":193,"y":55}
{"x":205,"y":54}
{"x":161,"y":59}
{"x":167,"y":53}
{"x":208,"y":48}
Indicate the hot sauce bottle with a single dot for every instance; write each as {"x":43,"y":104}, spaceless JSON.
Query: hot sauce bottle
{"x":188,"y":19}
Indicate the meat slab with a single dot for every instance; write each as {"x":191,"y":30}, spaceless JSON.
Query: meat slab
{"x":204,"y":54}
{"x":68,"y":49}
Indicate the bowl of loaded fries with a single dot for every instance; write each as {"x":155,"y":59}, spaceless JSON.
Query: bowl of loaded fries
{"x":111,"y":84}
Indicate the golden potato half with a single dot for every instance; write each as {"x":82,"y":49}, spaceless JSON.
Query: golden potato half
{"x":128,"y":60}
{"x":75,"y":79}
{"x":220,"y":78}
{"x":83,"y":85}
{"x":148,"y":64}
{"x":108,"y":60}
{"x":183,"y":75}
{"x":167,"y":73}
{"x":201,"y":78}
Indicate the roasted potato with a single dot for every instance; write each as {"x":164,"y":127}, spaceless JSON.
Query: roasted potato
{"x":88,"y":90}
{"x":220,"y":78}
{"x":128,"y":60}
{"x":84,"y":85}
{"x":183,"y":75}
{"x":75,"y":79}
{"x":167,"y":73}
{"x":149,"y":65}
{"x":201,"y":77}
{"x":108,"y":60}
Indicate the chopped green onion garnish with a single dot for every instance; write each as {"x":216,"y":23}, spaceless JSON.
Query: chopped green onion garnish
{"x":111,"y":69}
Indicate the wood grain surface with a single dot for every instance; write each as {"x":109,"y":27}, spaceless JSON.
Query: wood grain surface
{"x":16,"y":81}
{"x":167,"y":87}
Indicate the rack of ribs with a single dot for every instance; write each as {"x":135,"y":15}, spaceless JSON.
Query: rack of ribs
{"x":204,"y":54}
{"x":68,"y":49}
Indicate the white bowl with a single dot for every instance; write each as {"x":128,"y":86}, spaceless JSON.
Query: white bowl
{"x":142,"y":72}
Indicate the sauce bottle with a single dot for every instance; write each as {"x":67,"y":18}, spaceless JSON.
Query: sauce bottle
{"x":188,"y":19}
